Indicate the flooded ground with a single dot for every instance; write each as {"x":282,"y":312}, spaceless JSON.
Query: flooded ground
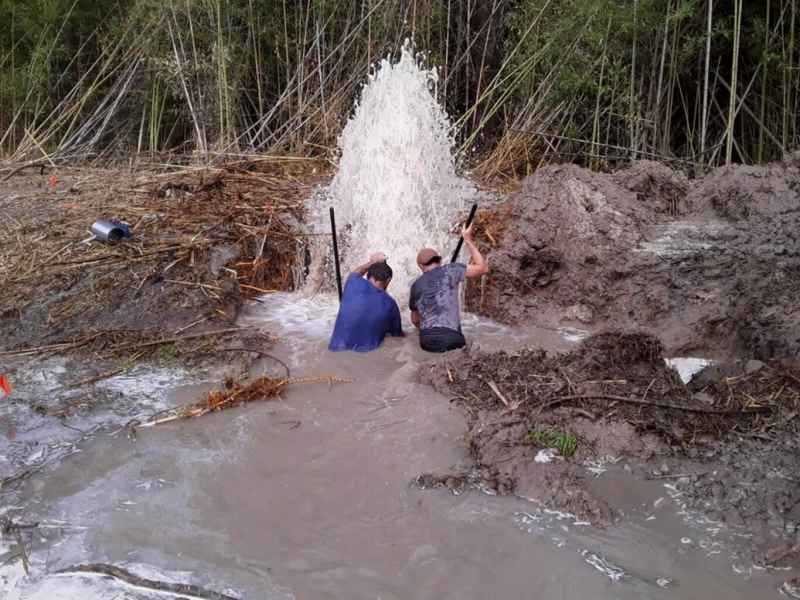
{"x":313,"y":496}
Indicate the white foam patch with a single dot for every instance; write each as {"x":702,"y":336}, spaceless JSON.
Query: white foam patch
{"x":688,"y":367}
{"x":473,"y":324}
{"x":145,"y":381}
{"x":294,"y":316}
{"x":303,"y":322}
{"x":599,"y":465}
{"x":612,"y":571}
{"x":546,"y":455}
{"x":572,"y":334}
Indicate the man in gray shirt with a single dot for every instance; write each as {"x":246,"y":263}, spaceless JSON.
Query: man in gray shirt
{"x":434,"y":296}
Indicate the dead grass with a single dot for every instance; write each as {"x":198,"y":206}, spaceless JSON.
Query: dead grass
{"x":59,"y":287}
{"x":622,"y":376}
{"x":235,"y":393}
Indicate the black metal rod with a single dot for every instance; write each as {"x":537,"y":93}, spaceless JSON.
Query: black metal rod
{"x":461,"y":239}
{"x":336,"y":255}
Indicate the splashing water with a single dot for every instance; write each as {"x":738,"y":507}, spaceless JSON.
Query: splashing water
{"x":397,"y":189}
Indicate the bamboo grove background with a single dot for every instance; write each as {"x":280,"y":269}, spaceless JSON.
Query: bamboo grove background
{"x":698,"y":82}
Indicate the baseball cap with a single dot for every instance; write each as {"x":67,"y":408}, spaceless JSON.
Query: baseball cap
{"x":427,"y":256}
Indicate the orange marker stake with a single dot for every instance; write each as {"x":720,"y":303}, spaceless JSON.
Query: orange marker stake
{"x":5,"y":387}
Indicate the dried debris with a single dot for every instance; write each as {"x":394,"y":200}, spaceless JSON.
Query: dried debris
{"x":623,"y":376}
{"x":203,"y":240}
{"x":236,"y":393}
{"x":614,"y":395}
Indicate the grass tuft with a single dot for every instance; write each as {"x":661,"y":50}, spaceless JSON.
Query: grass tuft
{"x":564,"y":442}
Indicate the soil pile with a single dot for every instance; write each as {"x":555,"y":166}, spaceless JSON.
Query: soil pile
{"x":203,"y":239}
{"x":613,"y":396}
{"x":712,"y":265}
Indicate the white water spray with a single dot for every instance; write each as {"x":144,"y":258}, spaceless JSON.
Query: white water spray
{"x":397,"y":189}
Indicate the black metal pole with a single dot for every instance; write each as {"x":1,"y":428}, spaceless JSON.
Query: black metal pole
{"x":461,"y":239}
{"x":336,"y":255}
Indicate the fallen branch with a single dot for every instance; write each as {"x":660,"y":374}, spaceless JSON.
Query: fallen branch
{"x":19,"y":476}
{"x":496,"y":390}
{"x":75,"y":344}
{"x":22,"y":167}
{"x":7,"y":525}
{"x":235,"y":394}
{"x":694,"y":409}
{"x":96,"y":378}
{"x":172,"y":340}
{"x":71,"y":345}
{"x":260,"y":353}
{"x":23,"y":551}
{"x":131,"y":579}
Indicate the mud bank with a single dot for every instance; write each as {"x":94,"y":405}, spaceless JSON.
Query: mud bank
{"x":710,"y":265}
{"x":545,"y":426}
{"x":203,"y":241}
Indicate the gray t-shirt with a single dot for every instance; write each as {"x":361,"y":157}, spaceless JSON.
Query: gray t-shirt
{"x":435,"y":296}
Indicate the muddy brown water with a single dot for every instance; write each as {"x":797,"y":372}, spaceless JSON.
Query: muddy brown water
{"x":312,"y":496}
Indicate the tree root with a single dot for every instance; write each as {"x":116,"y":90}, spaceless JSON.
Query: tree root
{"x":131,"y":579}
{"x":642,"y":402}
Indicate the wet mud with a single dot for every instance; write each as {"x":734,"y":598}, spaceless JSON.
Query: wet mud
{"x":711,"y":265}
{"x":690,"y":491}
{"x":318,"y":494}
{"x":545,"y":425}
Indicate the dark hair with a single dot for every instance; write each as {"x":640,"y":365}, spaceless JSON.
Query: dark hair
{"x":380,"y":272}
{"x":433,"y":260}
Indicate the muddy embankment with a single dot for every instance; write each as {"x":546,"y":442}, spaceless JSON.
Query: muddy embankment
{"x":544,"y":426}
{"x":710,"y":265}
{"x":203,"y":240}
{"x":91,"y":331}
{"x":660,"y":266}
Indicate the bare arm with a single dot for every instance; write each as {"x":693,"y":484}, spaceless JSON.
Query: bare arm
{"x":477,"y":263}
{"x":374,"y":258}
{"x":415,"y":318}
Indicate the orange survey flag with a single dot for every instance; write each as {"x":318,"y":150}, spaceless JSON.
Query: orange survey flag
{"x":5,"y":387}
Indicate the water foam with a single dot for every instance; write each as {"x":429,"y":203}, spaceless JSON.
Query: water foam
{"x":396,"y":189}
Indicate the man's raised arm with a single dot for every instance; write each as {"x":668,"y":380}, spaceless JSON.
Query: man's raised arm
{"x":378,"y":257}
{"x":477,"y":263}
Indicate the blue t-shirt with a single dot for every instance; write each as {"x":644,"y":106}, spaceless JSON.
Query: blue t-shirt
{"x":365,"y":316}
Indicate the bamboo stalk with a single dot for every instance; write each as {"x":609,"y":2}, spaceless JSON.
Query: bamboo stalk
{"x":764,"y":77}
{"x":737,"y":31}
{"x":632,"y":112}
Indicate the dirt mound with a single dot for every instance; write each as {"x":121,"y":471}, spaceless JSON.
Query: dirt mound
{"x":742,"y":193}
{"x":663,"y":189}
{"x":203,"y":239}
{"x":613,"y":396}
{"x":564,"y":224}
{"x":712,"y":265}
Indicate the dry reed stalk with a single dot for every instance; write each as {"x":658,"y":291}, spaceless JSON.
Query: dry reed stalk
{"x":250,"y":206}
{"x":236,"y":394}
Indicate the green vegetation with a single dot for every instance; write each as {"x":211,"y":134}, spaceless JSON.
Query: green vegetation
{"x":595,"y":81}
{"x":167,"y":353}
{"x":565,"y":443}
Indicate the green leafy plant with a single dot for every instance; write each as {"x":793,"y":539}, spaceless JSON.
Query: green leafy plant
{"x":167,"y":352}
{"x":564,"y":442}
{"x":525,"y":81}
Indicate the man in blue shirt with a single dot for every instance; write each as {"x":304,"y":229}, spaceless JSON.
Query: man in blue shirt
{"x":367,"y":313}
